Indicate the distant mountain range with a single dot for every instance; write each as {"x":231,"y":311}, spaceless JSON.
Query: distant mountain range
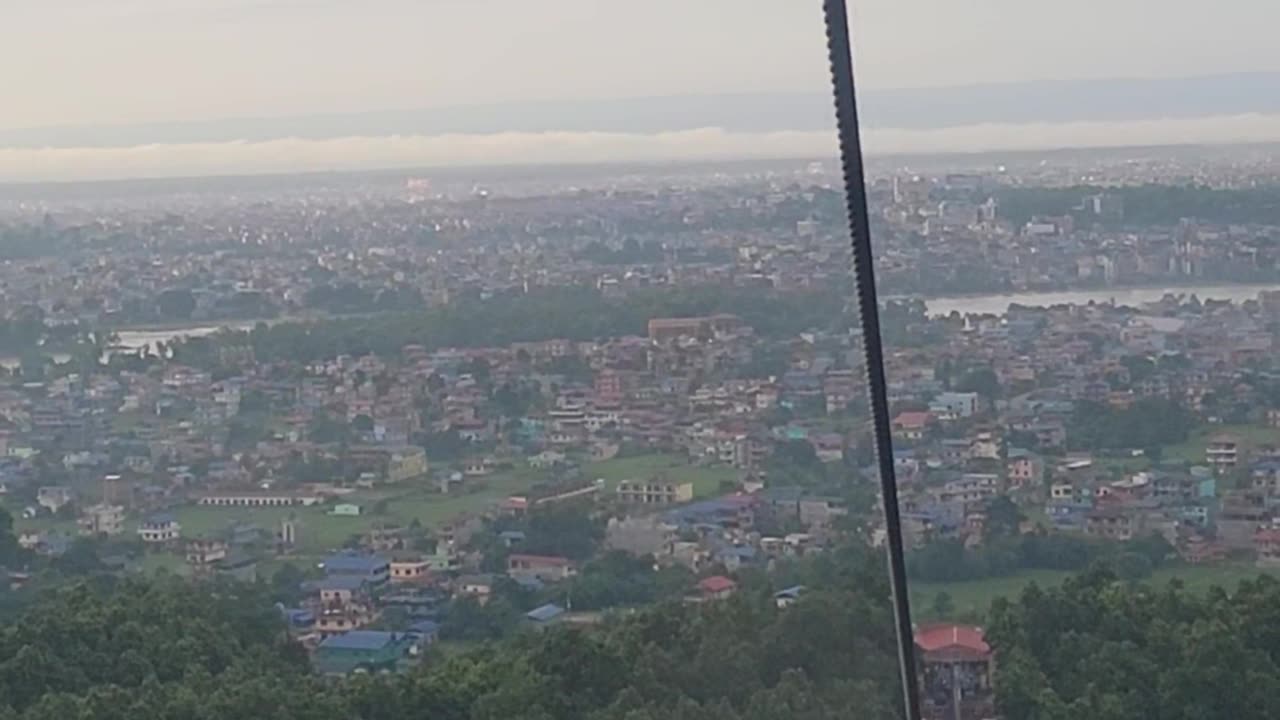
{"x":1032,"y":102}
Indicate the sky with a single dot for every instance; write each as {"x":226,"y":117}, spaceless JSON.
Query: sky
{"x":90,"y":62}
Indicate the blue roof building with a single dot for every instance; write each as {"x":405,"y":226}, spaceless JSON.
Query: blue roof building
{"x":545,"y":614}
{"x":374,"y":569}
{"x":426,"y":630}
{"x":363,"y":650}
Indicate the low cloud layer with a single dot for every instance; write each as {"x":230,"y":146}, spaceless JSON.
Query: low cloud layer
{"x":462,"y":150}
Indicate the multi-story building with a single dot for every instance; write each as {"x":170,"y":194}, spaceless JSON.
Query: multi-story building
{"x":654,"y":491}
{"x":102,"y":519}
{"x":160,"y":528}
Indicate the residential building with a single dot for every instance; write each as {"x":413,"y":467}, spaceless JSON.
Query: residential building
{"x":547,"y":568}
{"x":364,"y":650}
{"x":1222,"y":452}
{"x":102,"y":519}
{"x":716,"y":587}
{"x":954,"y":405}
{"x":409,"y":569}
{"x":655,"y":491}
{"x":372,"y":569}
{"x":161,"y":528}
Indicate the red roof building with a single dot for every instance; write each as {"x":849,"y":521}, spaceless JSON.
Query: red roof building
{"x":956,"y":665}
{"x":716,"y":587}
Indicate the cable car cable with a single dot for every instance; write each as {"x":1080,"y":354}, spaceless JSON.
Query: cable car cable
{"x":840,"y":54}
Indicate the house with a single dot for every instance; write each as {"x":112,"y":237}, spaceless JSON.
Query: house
{"x":1196,"y":549}
{"x":511,"y":538}
{"x":102,"y":519}
{"x":1267,"y":544}
{"x":655,"y":491}
{"x":203,"y":552}
{"x":363,"y":650}
{"x":716,"y":587}
{"x":911,"y":426}
{"x":406,"y":463}
{"x":346,"y":510}
{"x":545,"y":615}
{"x":409,"y":569}
{"x":159,"y":528}
{"x":787,"y":597}
{"x":479,"y":587}
{"x":54,"y":497}
{"x":1111,"y":524}
{"x":1223,"y":452}
{"x":372,"y":569}
{"x":547,"y":568}
{"x":340,"y":590}
{"x":238,"y":566}
{"x":1024,"y":468}
{"x":547,"y":459}
{"x":954,"y":405}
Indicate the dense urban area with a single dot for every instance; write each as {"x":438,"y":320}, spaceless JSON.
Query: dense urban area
{"x":594,"y":443}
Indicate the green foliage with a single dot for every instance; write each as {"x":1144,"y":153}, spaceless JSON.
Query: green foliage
{"x":1097,"y":647}
{"x":576,"y":313}
{"x":173,"y":650}
{"x":136,"y":635}
{"x":1147,"y":423}
{"x":947,"y":560}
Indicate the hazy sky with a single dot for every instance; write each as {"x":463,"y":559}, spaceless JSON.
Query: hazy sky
{"x":121,"y":61}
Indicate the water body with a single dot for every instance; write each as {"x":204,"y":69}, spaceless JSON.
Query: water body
{"x":135,"y":339}
{"x":999,"y":304}
{"x":991,"y":304}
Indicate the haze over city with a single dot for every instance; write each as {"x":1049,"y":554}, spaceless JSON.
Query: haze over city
{"x":154,"y":88}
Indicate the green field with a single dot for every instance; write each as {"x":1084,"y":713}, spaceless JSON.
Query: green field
{"x":975,"y":596}
{"x":706,"y":479}
{"x":1193,"y":449}
{"x":318,"y":531}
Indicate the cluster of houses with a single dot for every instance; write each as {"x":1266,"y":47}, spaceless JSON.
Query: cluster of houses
{"x":957,"y":450}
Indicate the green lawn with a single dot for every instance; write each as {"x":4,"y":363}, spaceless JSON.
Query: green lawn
{"x":975,"y":596}
{"x":1193,"y":449}
{"x":706,"y":479}
{"x":319,"y":532}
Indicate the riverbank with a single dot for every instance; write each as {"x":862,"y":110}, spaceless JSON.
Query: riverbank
{"x":998,"y":303}
{"x":134,"y":337}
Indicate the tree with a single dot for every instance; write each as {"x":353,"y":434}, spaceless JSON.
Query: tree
{"x":325,"y":428}
{"x":176,"y":304}
{"x":983,"y":381}
{"x":1004,"y":518}
{"x":942,"y":605}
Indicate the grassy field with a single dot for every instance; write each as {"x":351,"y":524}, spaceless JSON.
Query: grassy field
{"x":1193,"y":449}
{"x":318,"y":531}
{"x":975,"y":596}
{"x":706,"y":480}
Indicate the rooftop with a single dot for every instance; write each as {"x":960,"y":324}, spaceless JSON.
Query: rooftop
{"x":359,"y":640}
{"x":931,"y":638}
{"x":550,"y":611}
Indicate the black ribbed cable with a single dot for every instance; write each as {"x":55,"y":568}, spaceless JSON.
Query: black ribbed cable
{"x":840,"y":53}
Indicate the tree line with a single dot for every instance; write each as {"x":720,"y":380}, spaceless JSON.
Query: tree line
{"x":1100,"y":648}
{"x":167,"y":648}
{"x":574,"y":313}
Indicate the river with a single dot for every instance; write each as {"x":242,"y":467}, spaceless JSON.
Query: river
{"x":990,"y":304}
{"x":983,"y":304}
